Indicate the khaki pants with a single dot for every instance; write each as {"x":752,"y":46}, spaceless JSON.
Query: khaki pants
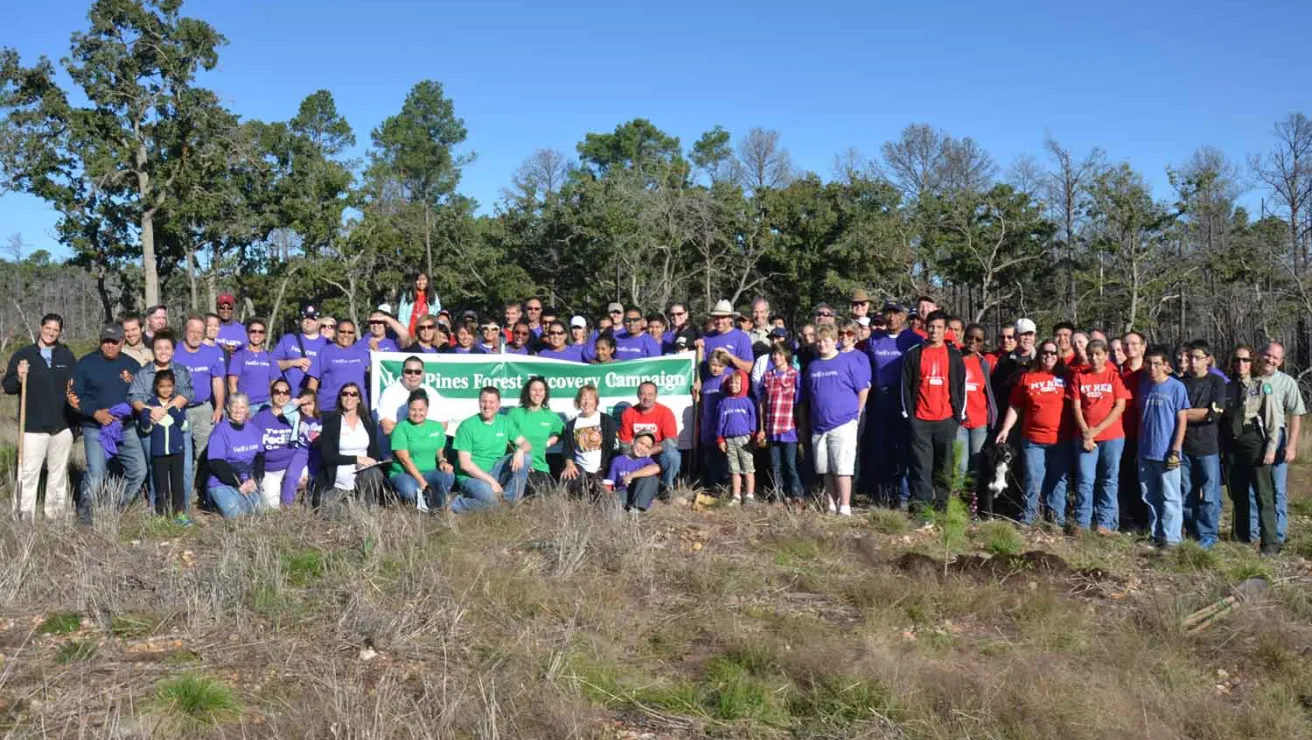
{"x":50,"y":450}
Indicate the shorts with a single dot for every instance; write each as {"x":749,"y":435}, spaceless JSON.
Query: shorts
{"x":739,"y":452}
{"x":835,"y":450}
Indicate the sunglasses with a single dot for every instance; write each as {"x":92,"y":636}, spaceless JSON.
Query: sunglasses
{"x":1048,"y":353}
{"x":412,"y":371}
{"x":555,"y":333}
{"x":678,"y":313}
{"x":534,"y":308}
{"x":327,"y":326}
{"x":346,"y":332}
{"x":350,"y":394}
{"x":632,"y":319}
{"x":378,"y":323}
{"x":824,"y":314}
{"x":521,"y":334}
{"x":281,"y":391}
{"x":255,"y":331}
{"x":1243,"y":359}
{"x":427,"y":327}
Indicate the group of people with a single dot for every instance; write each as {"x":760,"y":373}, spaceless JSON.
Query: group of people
{"x":905,"y":405}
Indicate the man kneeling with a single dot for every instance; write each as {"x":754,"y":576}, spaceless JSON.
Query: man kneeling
{"x":486,"y":473}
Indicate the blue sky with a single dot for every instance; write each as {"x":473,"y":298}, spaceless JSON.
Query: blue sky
{"x":1149,"y":82}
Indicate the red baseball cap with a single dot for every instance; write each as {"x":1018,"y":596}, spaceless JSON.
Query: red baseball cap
{"x":226,"y":298}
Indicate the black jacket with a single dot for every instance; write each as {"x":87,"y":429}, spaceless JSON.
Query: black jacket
{"x":330,"y":447}
{"x":911,"y":381}
{"x":48,"y":411}
{"x":609,"y":439}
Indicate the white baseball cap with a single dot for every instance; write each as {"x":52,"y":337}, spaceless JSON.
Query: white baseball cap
{"x":578,"y":321}
{"x":1025,"y":326}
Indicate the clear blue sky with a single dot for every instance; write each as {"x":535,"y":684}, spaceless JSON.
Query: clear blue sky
{"x":1147,"y":81}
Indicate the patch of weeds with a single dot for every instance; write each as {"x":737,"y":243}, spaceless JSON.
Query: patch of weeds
{"x":888,"y":521}
{"x":1301,"y":547}
{"x":791,"y":550}
{"x":1049,"y":622}
{"x":196,"y":700}
{"x":1001,"y":538}
{"x":161,"y":528}
{"x":182,"y":658}
{"x":133,"y":625}
{"x":302,"y":567}
{"x":844,"y":700}
{"x":1250,"y":565}
{"x":60,"y":623}
{"x":276,"y":606}
{"x":996,"y":647}
{"x":1190,"y":557}
{"x":733,"y":692}
{"x":1301,"y":506}
{"x":76,"y":651}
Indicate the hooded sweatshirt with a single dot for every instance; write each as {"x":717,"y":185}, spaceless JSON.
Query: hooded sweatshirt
{"x":737,"y":412}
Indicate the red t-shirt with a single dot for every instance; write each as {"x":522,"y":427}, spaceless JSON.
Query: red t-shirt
{"x":1073,"y":363}
{"x":934,"y":397}
{"x":1040,"y":397}
{"x":1131,"y":380}
{"x":977,"y":402}
{"x":1097,"y":393}
{"x":659,"y":422}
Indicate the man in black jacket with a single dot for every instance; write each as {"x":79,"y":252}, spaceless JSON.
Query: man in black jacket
{"x":934,"y":403}
{"x":47,"y":369}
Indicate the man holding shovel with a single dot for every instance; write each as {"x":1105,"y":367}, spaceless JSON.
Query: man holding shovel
{"x":41,"y":374}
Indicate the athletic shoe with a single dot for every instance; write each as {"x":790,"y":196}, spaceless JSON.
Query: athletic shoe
{"x":845,"y":511}
{"x":831,"y":504}
{"x":749,"y":496}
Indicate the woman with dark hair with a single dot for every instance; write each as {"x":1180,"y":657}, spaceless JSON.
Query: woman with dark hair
{"x":466,"y":332}
{"x":349,"y":450}
{"x":536,"y":422}
{"x":251,"y":369}
{"x":420,"y":467}
{"x":1038,"y":399}
{"x":418,"y":301}
{"x":555,"y":347}
{"x":285,"y":457}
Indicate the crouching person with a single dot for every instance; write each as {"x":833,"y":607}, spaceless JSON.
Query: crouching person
{"x":349,"y":450}
{"x":635,"y":476}
{"x":419,"y":452}
{"x":236,"y":461}
{"x":486,"y":473}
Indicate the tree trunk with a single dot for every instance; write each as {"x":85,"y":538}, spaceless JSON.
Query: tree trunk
{"x":428,"y":242}
{"x":103,"y":290}
{"x":191,"y":278}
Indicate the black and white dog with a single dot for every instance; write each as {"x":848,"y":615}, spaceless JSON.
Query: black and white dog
{"x":999,"y":460}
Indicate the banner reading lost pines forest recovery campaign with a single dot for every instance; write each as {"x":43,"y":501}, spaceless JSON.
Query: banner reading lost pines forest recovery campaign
{"x":457,"y":379}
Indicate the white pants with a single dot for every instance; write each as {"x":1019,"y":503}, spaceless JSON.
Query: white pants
{"x":835,"y":450}
{"x":50,"y":450}
{"x":271,"y":488}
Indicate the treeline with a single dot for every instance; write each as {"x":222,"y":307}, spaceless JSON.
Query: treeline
{"x":163,"y":193}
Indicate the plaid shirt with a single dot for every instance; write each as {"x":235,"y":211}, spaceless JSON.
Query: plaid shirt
{"x":780,"y":389}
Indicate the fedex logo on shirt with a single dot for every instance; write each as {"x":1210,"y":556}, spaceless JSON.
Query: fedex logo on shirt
{"x":274,"y":438}
{"x":825,"y":374}
{"x":242,"y":449}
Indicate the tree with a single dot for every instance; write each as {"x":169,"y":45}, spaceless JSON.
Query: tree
{"x":712,"y":154}
{"x":541,"y":175}
{"x":761,"y":163}
{"x":639,"y":146}
{"x":1067,"y":193}
{"x":1287,"y":172}
{"x":135,"y":67}
{"x":1131,"y":228}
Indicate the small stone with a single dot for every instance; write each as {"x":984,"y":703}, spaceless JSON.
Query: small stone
{"x":368,"y":653}
{"x":1222,"y":674}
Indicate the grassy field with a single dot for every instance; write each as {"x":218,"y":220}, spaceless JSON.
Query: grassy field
{"x":562,"y":619}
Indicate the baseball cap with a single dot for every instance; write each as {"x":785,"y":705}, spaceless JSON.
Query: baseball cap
{"x":1025,"y":326}
{"x":386,"y":308}
{"x":578,"y":321}
{"x":470,"y":315}
{"x":309,"y":312}
{"x":779,"y":333}
{"x":894,"y":307}
{"x":111,"y":333}
{"x":225,"y":298}
{"x":613,"y":307}
{"x":864,"y":321}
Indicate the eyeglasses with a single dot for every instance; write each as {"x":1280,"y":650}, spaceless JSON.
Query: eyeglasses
{"x":327,"y":326}
{"x":632,"y":319}
{"x":556,"y":333}
{"x":1048,"y":353}
{"x":1243,"y":359}
{"x":533,"y":308}
{"x":350,"y":394}
{"x":413,"y":371}
{"x":281,"y":392}
{"x":427,"y":327}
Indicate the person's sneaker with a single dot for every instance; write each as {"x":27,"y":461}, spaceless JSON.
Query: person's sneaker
{"x":733,"y":501}
{"x":845,"y":510}
{"x":749,"y":496}
{"x":1104,"y":531}
{"x":182,"y":520}
{"x":831,"y":504}
{"x":1270,"y":552}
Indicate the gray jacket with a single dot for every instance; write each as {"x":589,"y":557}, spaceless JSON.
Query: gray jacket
{"x":143,"y":383}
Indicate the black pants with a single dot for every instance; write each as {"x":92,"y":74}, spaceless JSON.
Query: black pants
{"x":1246,"y":469}
{"x":930,"y":473}
{"x":1134,"y":512}
{"x":170,"y":489}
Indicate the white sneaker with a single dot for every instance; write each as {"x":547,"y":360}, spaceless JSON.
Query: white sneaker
{"x":833,"y":506}
{"x":749,"y":497}
{"x":845,"y":511}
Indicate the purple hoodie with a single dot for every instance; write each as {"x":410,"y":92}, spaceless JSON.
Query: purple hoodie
{"x":736,"y":416}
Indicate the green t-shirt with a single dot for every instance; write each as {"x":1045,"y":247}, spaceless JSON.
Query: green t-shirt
{"x":422,"y":441}
{"x":536,"y":426}
{"x":484,"y":441}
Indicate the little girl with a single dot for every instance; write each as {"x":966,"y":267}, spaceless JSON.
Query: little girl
{"x":735,"y":426}
{"x":307,"y":435}
{"x":781,"y":389}
{"x":166,"y":450}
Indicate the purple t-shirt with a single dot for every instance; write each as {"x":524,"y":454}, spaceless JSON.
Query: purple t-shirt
{"x":474,"y":350}
{"x":278,"y":444}
{"x":831,"y":388}
{"x":1157,"y":405}
{"x":205,"y":364}
{"x":711,"y":395}
{"x":386,"y":344}
{"x":572,"y":353}
{"x":734,"y":340}
{"x":885,"y":354}
{"x":507,"y":349}
{"x":419,"y":349}
{"x":254,"y":371}
{"x":232,"y":336}
{"x":335,"y":367}
{"x":623,"y":464}
{"x":289,"y":349}
{"x":737,"y":417}
{"x":636,"y":347}
{"x":238,"y":447}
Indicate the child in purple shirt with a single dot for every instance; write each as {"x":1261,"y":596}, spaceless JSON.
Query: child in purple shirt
{"x":734,"y":427}
{"x":635,"y":476}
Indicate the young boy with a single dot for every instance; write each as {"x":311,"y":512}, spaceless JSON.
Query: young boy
{"x":781,"y":390}
{"x":166,"y":450}
{"x":635,"y":476}
{"x":734,"y":428}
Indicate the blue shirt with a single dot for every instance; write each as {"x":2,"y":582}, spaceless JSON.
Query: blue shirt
{"x":885,"y":354}
{"x":205,"y":364}
{"x":636,"y":347}
{"x":335,"y":367}
{"x":572,"y":353}
{"x":254,"y":370}
{"x":832,"y":390}
{"x":290,"y":349}
{"x":1158,"y":405}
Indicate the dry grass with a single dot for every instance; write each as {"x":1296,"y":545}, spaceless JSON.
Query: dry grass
{"x":560,"y":619}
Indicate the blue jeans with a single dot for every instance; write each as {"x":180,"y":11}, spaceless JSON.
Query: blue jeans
{"x":477,"y":494}
{"x":408,"y":490}
{"x":671,"y":461}
{"x":1200,"y":488}
{"x":783,"y":465}
{"x":890,"y":450}
{"x":1280,"y":474}
{"x":1099,"y":483}
{"x":1160,"y":489}
{"x":972,"y":441}
{"x":232,"y":503}
{"x":1046,"y":467}
{"x":130,"y":457}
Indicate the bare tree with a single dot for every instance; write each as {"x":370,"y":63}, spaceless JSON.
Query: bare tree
{"x":544,"y":172}
{"x":1287,"y":171}
{"x":850,"y":165}
{"x":1068,"y":195}
{"x":914,"y":161}
{"x":760,"y":163}
{"x":1027,"y":176}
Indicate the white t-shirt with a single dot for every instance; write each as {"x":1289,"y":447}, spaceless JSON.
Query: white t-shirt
{"x":353,"y":442}
{"x":587,"y":442}
{"x":392,"y":404}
